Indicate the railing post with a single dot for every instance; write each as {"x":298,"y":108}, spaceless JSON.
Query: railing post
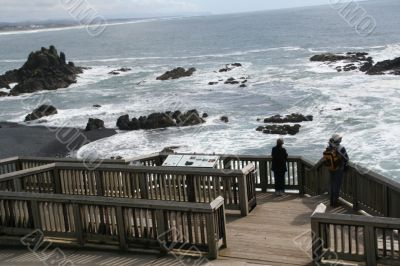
{"x":243,"y":196}
{"x":316,"y":241}
{"x":354,"y":177}
{"x":300,"y":176}
{"x":370,"y":245}
{"x":99,"y":183}
{"x":57,"y":181}
{"x":144,"y":186}
{"x":263,"y":175}
{"x":35,"y":214}
{"x":121,"y":228}
{"x":386,"y":210}
{"x":17,"y":184}
{"x":191,"y":191}
{"x":78,"y":224}
{"x":212,"y":239}
{"x":162,"y":234}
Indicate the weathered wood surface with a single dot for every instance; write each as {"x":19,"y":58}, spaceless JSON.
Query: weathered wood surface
{"x":267,"y":236}
{"x":124,"y":223}
{"x":139,"y":182}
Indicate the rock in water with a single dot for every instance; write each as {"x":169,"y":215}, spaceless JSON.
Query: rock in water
{"x":42,"y":111}
{"x":3,"y":94}
{"x":160,"y":120}
{"x":94,"y":124}
{"x":388,"y":65}
{"x":44,"y":70}
{"x":280,"y":129}
{"x":177,"y":73}
{"x":293,"y":118}
{"x":225,"y":119}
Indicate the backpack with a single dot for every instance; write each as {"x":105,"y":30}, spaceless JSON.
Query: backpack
{"x":331,"y":159}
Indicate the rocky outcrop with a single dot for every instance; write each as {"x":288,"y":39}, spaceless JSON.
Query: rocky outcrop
{"x":96,"y":106}
{"x":3,"y":94}
{"x":177,"y":73}
{"x":293,"y":118}
{"x":390,"y":66}
{"x":230,"y":67}
{"x":41,"y":111}
{"x":94,"y":124}
{"x":360,"y":61}
{"x":160,"y":120}
{"x":44,"y":70}
{"x":232,"y":81}
{"x":280,"y":129}
{"x":224,"y":119}
{"x":118,"y":71}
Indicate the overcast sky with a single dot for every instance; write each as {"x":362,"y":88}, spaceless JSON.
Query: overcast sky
{"x":23,"y":10}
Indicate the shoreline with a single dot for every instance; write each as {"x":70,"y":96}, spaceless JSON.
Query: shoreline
{"x":42,"y":141}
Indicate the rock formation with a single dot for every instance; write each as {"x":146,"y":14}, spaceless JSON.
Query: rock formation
{"x":177,"y":73}
{"x":41,"y":111}
{"x":44,"y":70}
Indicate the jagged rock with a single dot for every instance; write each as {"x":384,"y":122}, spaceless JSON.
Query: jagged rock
{"x":177,"y":73}
{"x":212,"y":83}
{"x":349,"y":67}
{"x":94,"y":124}
{"x":124,"y":69}
{"x":280,"y":129}
{"x":41,"y":111}
{"x":225,"y":119}
{"x":3,"y":94}
{"x":160,"y":120}
{"x":113,"y":73}
{"x":387,"y":65}
{"x":293,"y":118}
{"x":205,"y":115}
{"x":96,"y":106}
{"x":118,"y":71}
{"x":328,"y":57}
{"x":232,"y":81}
{"x":44,"y":70}
{"x":230,"y":67}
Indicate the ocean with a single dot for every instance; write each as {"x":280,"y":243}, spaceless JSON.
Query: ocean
{"x":274,"y":48}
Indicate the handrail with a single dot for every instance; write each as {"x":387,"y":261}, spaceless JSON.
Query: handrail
{"x":109,"y":221}
{"x":144,"y":182}
{"x":354,"y":237}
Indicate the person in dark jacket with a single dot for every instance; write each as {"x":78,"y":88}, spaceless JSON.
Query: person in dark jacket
{"x":279,"y":166}
{"x":336,"y":175}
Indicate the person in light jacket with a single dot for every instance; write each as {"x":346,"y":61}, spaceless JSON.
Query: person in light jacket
{"x":279,"y":166}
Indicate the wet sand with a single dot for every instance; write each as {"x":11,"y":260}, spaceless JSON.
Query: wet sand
{"x":20,"y":140}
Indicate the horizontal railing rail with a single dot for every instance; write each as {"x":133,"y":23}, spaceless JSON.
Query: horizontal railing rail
{"x":140,"y":182}
{"x":263,"y":175}
{"x":355,"y":237}
{"x":364,"y":189}
{"x":114,"y":221}
{"x":24,"y":162}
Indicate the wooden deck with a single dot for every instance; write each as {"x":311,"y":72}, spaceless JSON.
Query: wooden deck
{"x":277,"y":232}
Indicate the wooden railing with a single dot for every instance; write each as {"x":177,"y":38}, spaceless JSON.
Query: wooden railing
{"x":357,"y":238}
{"x":263,"y":175}
{"x":139,"y":182}
{"x":110,"y":221}
{"x":364,"y":189}
{"x":22,"y":163}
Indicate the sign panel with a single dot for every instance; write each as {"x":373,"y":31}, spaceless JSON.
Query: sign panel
{"x":198,"y":161}
{"x":172,"y":160}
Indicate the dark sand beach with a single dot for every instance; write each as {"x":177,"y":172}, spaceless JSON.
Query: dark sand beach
{"x":21,"y":140}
